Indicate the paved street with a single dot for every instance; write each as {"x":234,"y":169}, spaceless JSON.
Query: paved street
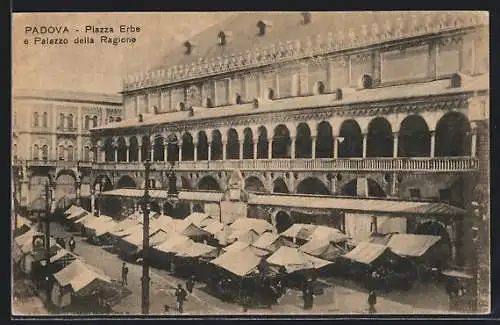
{"x":340,"y":296}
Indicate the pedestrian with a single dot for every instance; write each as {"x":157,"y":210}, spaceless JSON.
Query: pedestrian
{"x":190,"y":284}
{"x":308,"y":294}
{"x":124,"y":274}
{"x":62,"y":243}
{"x":72,"y":244}
{"x":181,"y":294}
{"x":372,"y":301}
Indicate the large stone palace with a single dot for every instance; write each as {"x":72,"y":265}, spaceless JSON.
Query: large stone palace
{"x":51,"y":137}
{"x":368,"y":121}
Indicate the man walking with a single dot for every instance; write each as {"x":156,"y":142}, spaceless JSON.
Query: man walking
{"x":124,"y":274}
{"x":308,"y":293}
{"x":72,"y":244}
{"x":180,"y":294}
{"x":190,"y":284}
{"x":372,"y":301}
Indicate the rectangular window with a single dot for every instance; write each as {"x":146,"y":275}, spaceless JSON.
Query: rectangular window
{"x":448,"y":59}
{"x":252,"y":88}
{"x":286,"y":85}
{"x":222,"y":92}
{"x":405,"y":64}
{"x":317,"y":73}
{"x":339,"y":74}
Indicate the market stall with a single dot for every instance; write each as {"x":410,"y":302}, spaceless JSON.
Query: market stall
{"x":200,"y":219}
{"x":268,"y":243}
{"x":298,"y":234}
{"x":260,"y":226}
{"x":130,"y":246}
{"x":162,"y":255}
{"x":192,"y":259}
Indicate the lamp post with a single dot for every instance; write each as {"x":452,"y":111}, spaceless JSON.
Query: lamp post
{"x":78,"y":183}
{"x":145,"y":240}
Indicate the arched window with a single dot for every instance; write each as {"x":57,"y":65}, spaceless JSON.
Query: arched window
{"x":87,"y":122}
{"x":70,"y":121}
{"x":44,"y":120}
{"x":45,"y":152}
{"x":70,"y":153}
{"x":86,"y":153}
{"x":61,"y":120}
{"x":94,"y":121}
{"x":111,"y":119}
{"x":118,"y":119}
{"x":35,"y":119}
{"x":61,"y":152}
{"x":35,"y":152}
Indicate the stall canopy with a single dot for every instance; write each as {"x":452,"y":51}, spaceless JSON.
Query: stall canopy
{"x":197,"y":250}
{"x":162,"y":221}
{"x":214,"y":227}
{"x":163,"y":194}
{"x":244,"y":235}
{"x":240,"y":263}
{"x":237,"y":246}
{"x":174,"y":243}
{"x":323,"y":249}
{"x":100,"y":226}
{"x":135,"y":238}
{"x":260,"y":226}
{"x":269,"y":242}
{"x":300,"y":231}
{"x":200,"y":219}
{"x":367,"y":253}
{"x":187,"y":228}
{"x":74,"y":209}
{"x":62,"y":253}
{"x":324,"y":233}
{"x":411,"y":245}
{"x":381,"y":239}
{"x":78,"y":275}
{"x":122,"y":228}
{"x":78,"y":216}
{"x":291,"y":260}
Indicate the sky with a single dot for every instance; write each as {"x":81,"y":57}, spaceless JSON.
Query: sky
{"x":96,"y":67}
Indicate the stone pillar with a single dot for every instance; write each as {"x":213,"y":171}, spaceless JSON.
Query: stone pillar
{"x":395,"y":136}
{"x":335,"y":147}
{"x":116,"y":154}
{"x":255,"y":142}
{"x":473,"y":146}
{"x":241,"y":149}
{"x":209,"y":151}
{"x":165,"y":152}
{"x":139,"y":153}
{"x":364,"y":144}
{"x":152,"y":152}
{"x":313,"y":148}
{"x":195,"y":155}
{"x":92,"y":201}
{"x":180,"y":152}
{"x":79,"y":134}
{"x":433,"y":56}
{"x":270,"y":149}
{"x":128,"y":153}
{"x":224,"y":150}
{"x":292,"y":148}
{"x":433,"y":143}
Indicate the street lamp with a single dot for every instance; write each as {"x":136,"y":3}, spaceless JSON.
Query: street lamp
{"x":78,"y":183}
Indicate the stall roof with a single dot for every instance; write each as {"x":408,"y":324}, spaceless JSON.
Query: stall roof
{"x":199,"y":219}
{"x":197,"y":250}
{"x":241,"y":262}
{"x":214,"y":227}
{"x":357,"y":204}
{"x":72,"y":209}
{"x":162,"y":221}
{"x":245,"y":235}
{"x":158,"y":238}
{"x":299,"y":230}
{"x":265,"y":240}
{"x":60,"y":254}
{"x":187,"y":228}
{"x":26,"y":237}
{"x":237,"y":246}
{"x":366,"y":252}
{"x":163,"y":194}
{"x":135,"y":238}
{"x":78,"y":275}
{"x":457,"y":274}
{"x":78,"y":215}
{"x":174,"y":243}
{"x":259,"y":225}
{"x":293,"y":260}
{"x":125,"y":227}
{"x":411,"y":244}
{"x":328,"y":234}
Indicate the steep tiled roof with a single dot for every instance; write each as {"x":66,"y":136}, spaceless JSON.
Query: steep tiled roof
{"x":288,"y":26}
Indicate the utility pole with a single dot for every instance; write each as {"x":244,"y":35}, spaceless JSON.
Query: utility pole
{"x":48,"y":201}
{"x":145,"y":241}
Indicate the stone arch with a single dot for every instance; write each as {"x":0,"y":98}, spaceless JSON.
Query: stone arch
{"x":324,"y":140}
{"x":233,"y":145}
{"x":281,"y":220}
{"x":263,"y":143}
{"x":254,"y":184}
{"x":351,"y":143}
{"x":453,"y":135}
{"x":173,"y":147}
{"x":133,"y":149}
{"x":374,"y":188}
{"x":122,"y":149}
{"x":303,"y":141}
{"x":279,"y":186}
{"x":66,"y":171}
{"x":247,"y":143}
{"x":216,"y":147}
{"x":187,"y":147}
{"x":281,"y":142}
{"x":126,"y":182}
{"x":145,"y":148}
{"x":202,"y":146}
{"x":105,"y":181}
{"x":158,"y":148}
{"x":435,"y":228}
{"x":312,"y":185}
{"x":209,"y":183}
{"x":379,"y":138}
{"x":414,"y":137}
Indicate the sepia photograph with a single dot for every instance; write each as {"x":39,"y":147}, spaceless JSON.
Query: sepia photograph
{"x":250,"y":163}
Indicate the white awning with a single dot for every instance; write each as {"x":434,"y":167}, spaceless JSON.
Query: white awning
{"x":411,"y":244}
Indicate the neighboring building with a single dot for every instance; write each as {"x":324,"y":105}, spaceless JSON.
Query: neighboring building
{"x":389,"y":108}
{"x":51,"y":137}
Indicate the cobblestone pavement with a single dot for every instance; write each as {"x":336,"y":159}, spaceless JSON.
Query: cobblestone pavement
{"x":340,"y":296}
{"x":25,"y":301}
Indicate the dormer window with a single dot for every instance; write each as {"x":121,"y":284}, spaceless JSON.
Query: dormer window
{"x":306,"y":18}
{"x":222,"y":37}
{"x":189,"y":47}
{"x":263,"y":25}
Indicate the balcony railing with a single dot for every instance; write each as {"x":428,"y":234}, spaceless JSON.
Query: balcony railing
{"x":439,"y":164}
{"x":63,"y":129}
{"x":52,"y":163}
